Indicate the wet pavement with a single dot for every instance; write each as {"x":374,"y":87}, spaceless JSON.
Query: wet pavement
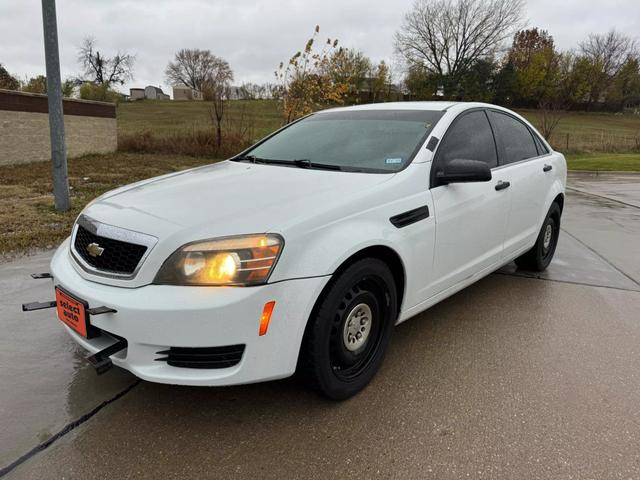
{"x":606,"y":218}
{"x":514,"y":377}
{"x":621,"y":187}
{"x":44,"y":378}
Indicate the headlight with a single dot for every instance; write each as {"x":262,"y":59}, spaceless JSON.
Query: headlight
{"x":242,"y":260}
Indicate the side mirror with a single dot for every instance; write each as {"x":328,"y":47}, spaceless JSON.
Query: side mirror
{"x":462,"y":171}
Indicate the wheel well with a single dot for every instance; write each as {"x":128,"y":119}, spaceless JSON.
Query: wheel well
{"x":560,"y":201}
{"x":388,"y":256}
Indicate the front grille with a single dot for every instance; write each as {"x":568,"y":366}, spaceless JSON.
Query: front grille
{"x":117,"y":256}
{"x":203,"y":357}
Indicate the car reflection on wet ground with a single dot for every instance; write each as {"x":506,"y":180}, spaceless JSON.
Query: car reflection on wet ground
{"x":519,"y":375}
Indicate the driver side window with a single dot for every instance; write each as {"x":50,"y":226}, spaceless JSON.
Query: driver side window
{"x":469,"y":138}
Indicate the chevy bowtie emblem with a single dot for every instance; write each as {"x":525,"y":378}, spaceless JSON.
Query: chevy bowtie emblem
{"x":94,"y":249}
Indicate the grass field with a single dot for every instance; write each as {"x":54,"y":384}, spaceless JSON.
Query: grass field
{"x":27,"y":215}
{"x":169,"y":117}
{"x":581,"y":132}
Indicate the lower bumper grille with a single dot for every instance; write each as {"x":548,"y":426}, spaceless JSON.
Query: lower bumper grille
{"x":202,"y":357}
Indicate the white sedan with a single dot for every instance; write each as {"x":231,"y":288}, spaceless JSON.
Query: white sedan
{"x":303,"y":252}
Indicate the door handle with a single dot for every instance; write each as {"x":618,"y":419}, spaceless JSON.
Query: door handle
{"x":546,"y":168}
{"x":502,"y":185}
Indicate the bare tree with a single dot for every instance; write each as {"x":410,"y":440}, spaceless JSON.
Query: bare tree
{"x":446,"y":37}
{"x":218,"y":108}
{"x":610,"y":51}
{"x":208,"y":73}
{"x":606,"y":55}
{"x":194,"y":68}
{"x":551,"y":112}
{"x":104,"y":70}
{"x":254,"y":91}
{"x":217,"y":88}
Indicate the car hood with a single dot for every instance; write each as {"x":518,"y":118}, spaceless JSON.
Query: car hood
{"x":228,"y":198}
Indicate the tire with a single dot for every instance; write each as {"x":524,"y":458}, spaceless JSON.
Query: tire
{"x":349,"y":330}
{"x":539,"y":257}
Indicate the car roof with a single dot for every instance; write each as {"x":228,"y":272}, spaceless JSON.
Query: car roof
{"x":438,"y":106}
{"x":426,"y":105}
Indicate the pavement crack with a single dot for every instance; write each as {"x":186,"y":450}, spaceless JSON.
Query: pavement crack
{"x":600,"y":256}
{"x":584,"y":192}
{"x":66,"y":429}
{"x":555,"y":280}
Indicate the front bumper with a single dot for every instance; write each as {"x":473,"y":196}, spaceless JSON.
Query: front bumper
{"x":154,"y":318}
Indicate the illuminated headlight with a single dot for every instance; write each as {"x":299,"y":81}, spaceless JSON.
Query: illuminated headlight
{"x":243,"y":260}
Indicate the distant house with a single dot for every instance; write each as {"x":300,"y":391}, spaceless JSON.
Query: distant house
{"x":155,"y":93}
{"x":150,"y":92}
{"x":182,"y":92}
{"x":136,"y":94}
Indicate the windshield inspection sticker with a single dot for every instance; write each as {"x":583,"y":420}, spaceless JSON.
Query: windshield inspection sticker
{"x":393,"y":160}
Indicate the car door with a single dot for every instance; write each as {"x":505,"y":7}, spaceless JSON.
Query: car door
{"x":470,"y":217}
{"x":526,"y":167}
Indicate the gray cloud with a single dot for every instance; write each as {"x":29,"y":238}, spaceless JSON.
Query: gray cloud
{"x":253,"y":35}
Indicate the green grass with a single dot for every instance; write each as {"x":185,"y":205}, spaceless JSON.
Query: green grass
{"x":590,"y":122}
{"x":617,"y":162}
{"x":592,"y":131}
{"x":162,"y":117}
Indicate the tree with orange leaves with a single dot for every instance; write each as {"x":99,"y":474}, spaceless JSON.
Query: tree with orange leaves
{"x":306,"y":82}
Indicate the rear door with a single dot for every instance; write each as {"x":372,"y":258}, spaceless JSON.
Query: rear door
{"x":470,"y":217}
{"x":524,"y":163}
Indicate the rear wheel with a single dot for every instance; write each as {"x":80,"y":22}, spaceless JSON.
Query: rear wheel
{"x":350,"y":329}
{"x":539,"y":257}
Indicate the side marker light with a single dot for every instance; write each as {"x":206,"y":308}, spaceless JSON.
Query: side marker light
{"x":266,"y":317}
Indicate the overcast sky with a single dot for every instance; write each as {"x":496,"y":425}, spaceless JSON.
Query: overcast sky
{"x":252,"y":35}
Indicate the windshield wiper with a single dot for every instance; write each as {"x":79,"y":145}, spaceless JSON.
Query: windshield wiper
{"x":247,"y":158}
{"x":303,"y":163}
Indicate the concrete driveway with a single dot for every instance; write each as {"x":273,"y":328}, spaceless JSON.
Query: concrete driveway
{"x":518,"y":376}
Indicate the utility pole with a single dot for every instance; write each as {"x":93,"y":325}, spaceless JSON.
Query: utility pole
{"x":56,"y":115}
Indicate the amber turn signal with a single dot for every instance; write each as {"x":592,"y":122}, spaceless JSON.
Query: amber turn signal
{"x":266,"y":317}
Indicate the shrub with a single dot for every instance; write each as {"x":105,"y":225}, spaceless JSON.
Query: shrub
{"x":100,"y":92}
{"x":197,"y":142}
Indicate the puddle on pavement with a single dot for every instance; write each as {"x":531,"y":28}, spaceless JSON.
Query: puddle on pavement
{"x":46,"y":382}
{"x":620,"y":187}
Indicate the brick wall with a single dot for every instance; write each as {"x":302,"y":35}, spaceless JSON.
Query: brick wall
{"x":90,"y":127}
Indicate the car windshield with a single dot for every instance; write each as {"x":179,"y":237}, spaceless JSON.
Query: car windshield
{"x":379,"y":141}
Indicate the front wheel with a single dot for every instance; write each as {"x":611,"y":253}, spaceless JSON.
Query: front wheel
{"x":539,"y":257}
{"x":349,"y":330}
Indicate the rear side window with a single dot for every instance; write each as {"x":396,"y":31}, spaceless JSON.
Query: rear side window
{"x":542,"y":150}
{"x":469,"y":138}
{"x":516,"y":138}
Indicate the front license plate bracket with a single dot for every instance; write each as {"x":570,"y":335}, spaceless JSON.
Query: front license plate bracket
{"x":101,"y":361}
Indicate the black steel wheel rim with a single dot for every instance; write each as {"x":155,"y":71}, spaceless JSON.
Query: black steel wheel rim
{"x":549,"y":250}
{"x":374,"y":292}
